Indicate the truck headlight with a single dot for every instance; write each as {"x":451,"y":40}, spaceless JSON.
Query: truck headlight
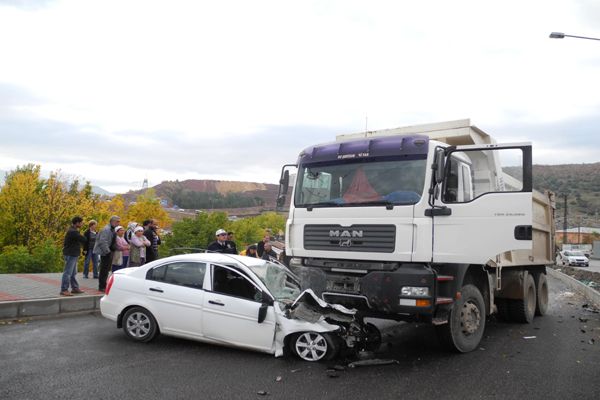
{"x":295,"y":262}
{"x":415,"y":291}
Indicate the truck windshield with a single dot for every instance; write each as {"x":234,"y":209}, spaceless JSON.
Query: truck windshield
{"x":364,"y":182}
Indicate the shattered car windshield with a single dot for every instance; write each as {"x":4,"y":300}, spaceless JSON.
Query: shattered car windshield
{"x":373,"y":182}
{"x":280,"y":281}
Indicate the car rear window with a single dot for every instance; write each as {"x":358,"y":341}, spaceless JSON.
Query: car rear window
{"x":189,"y":274}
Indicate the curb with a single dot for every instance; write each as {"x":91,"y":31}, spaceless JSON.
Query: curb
{"x":592,"y":295}
{"x":43,"y":307}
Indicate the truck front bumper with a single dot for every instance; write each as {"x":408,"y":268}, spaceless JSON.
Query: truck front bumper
{"x":375,"y":293}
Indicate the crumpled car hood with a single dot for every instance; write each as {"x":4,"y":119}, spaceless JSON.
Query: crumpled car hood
{"x":307,"y":313}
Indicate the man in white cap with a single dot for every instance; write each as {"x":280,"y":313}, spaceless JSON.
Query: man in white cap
{"x":221,"y":245}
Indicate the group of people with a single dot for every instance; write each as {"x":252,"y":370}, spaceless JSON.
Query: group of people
{"x":224,"y":243}
{"x":112,"y":248}
{"x":115,"y":247}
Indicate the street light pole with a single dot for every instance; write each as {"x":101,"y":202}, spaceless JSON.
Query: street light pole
{"x":560,"y":35}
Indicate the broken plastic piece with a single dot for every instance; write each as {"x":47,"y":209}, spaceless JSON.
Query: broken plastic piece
{"x":374,"y":361}
{"x":529,"y":337}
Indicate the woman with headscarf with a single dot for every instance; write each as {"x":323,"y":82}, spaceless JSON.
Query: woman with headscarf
{"x":138,"y":244}
{"x":121,"y":246}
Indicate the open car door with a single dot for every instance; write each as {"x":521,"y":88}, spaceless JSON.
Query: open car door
{"x":483,"y":205}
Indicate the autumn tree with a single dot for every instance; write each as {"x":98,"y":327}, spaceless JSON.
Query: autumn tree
{"x":21,"y":199}
{"x":147,"y":206}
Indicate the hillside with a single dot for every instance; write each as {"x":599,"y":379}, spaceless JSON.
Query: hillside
{"x":210,"y":194}
{"x":581,"y":184}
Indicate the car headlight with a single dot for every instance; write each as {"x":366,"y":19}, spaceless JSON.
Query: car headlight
{"x":415,"y":291}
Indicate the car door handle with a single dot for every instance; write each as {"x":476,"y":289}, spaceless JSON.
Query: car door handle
{"x":156,"y":290}
{"x":216,"y":303}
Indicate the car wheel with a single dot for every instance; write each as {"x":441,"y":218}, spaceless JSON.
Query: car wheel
{"x":139,"y":324}
{"x":313,"y":346}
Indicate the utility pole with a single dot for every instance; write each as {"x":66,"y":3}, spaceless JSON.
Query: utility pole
{"x":565,"y":225}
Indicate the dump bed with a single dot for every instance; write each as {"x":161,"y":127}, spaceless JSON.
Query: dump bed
{"x":461,"y":132}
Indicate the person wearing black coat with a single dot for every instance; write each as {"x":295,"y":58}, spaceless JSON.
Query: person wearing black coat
{"x":154,"y":239}
{"x":71,"y":252}
{"x":221,"y":245}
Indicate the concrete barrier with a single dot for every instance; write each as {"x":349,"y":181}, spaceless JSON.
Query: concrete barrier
{"x":43,"y":307}
{"x":590,"y":294}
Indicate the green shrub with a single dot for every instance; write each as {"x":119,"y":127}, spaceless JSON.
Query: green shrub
{"x":46,"y":257}
{"x":15,"y":259}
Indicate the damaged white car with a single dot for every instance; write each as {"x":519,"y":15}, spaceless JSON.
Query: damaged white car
{"x":233,"y":301}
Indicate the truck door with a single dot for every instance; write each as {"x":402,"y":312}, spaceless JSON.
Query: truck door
{"x":483,"y":205}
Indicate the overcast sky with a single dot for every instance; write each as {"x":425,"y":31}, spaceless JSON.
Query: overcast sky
{"x":119,"y":91}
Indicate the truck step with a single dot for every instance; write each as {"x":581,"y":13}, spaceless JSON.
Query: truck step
{"x":443,"y":278}
{"x":443,"y":300}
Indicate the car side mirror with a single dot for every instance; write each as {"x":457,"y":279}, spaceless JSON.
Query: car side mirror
{"x":262,"y":312}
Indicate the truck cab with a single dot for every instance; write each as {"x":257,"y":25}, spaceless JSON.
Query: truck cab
{"x":394,"y":223}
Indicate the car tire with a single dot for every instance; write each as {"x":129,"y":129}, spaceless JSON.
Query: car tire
{"x":314,"y":346}
{"x":466,"y":322}
{"x":140,"y":325}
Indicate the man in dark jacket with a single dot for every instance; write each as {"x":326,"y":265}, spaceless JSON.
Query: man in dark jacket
{"x":105,"y":245}
{"x":231,"y":242}
{"x":268,"y":253}
{"x":261,"y":245}
{"x":221,"y":245}
{"x":71,"y":252}
{"x":153,"y":238}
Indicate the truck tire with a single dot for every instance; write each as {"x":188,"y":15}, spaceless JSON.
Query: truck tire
{"x":466,"y":322}
{"x":523,"y":310}
{"x":541,"y":288}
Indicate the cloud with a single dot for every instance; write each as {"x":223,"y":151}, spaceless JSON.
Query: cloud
{"x":118,"y":91}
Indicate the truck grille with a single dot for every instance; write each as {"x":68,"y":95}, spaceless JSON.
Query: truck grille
{"x":359,"y":238}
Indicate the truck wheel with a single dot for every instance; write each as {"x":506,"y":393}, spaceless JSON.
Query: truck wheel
{"x":466,"y":322}
{"x":541,"y":288}
{"x":523,"y":310}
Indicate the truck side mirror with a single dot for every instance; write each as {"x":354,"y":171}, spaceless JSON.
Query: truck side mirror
{"x":440,"y":157}
{"x":281,"y":201}
{"x":284,"y":182}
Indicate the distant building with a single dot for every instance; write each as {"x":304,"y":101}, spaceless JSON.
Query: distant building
{"x":578,"y":235}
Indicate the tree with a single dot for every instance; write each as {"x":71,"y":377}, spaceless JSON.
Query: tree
{"x":21,"y":198}
{"x":147,"y":206}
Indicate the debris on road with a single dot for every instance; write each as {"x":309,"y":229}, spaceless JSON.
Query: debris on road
{"x":529,"y":337}
{"x":332,"y":373}
{"x":372,"y":362}
{"x":262,"y":393}
{"x":278,"y":379}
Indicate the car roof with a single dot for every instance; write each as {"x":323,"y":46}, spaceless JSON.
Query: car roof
{"x":241,"y":262}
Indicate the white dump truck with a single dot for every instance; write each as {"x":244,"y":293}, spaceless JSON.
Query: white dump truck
{"x":432,"y":223}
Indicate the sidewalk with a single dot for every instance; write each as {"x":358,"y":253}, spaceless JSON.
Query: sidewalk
{"x":26,"y":295}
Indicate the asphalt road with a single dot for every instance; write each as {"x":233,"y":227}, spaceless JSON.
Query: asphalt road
{"x":86,"y":357}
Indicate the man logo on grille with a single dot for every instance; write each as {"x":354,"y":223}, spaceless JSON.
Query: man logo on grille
{"x":346,"y":233}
